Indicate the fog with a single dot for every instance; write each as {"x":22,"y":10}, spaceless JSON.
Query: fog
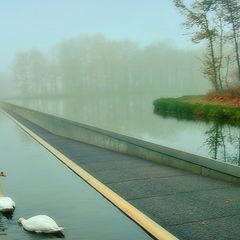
{"x":98,"y":62}
{"x":93,"y":63}
{"x":111,"y":84}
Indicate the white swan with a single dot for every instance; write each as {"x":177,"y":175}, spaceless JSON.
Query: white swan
{"x":2,"y":174}
{"x":40,"y":224}
{"x":6,"y":204}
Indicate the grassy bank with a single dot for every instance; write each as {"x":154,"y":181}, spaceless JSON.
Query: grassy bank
{"x":197,"y":107}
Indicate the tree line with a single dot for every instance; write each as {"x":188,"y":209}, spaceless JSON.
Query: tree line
{"x":95,"y":63}
{"x":216,"y":22}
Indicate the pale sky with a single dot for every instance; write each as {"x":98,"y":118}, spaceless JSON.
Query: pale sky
{"x":27,"y":24}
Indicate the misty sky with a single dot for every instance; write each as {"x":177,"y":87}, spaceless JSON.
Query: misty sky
{"x":27,"y":24}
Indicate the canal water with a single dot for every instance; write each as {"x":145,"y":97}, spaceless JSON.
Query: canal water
{"x":41,"y":184}
{"x":132,"y":115}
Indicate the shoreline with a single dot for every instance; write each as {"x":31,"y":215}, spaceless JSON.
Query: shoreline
{"x":198,"y":107}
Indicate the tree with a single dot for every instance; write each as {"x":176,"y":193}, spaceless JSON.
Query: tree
{"x":31,"y":71}
{"x":218,"y":22}
{"x":198,"y":18}
{"x":232,"y":17}
{"x":21,"y":75}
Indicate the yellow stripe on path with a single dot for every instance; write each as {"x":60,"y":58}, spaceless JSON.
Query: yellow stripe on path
{"x":1,"y":192}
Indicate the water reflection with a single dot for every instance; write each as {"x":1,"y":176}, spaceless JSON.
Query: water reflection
{"x":8,"y":215}
{"x":45,"y":236}
{"x":223,"y":142}
{"x":132,"y":115}
{"x":3,"y":225}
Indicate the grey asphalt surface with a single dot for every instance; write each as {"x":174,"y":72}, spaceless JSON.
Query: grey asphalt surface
{"x":189,"y":206}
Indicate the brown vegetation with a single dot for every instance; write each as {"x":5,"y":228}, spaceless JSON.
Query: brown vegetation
{"x":229,"y":97}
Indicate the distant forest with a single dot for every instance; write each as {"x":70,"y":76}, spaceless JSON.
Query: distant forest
{"x":95,"y":63}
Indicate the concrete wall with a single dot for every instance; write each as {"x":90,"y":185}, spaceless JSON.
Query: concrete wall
{"x":129,"y":145}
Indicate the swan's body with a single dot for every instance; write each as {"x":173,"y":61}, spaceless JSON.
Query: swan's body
{"x":6,"y":204}
{"x":40,"y":224}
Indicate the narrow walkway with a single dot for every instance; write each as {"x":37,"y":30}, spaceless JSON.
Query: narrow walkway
{"x":189,"y":206}
{"x":40,"y":184}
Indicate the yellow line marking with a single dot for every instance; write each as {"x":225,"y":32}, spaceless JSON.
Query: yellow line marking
{"x":144,"y":221}
{"x":1,"y":192}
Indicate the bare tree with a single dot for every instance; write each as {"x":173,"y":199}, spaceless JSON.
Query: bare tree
{"x":232,"y":17}
{"x":31,"y":73}
{"x":198,"y":19}
{"x":21,"y":73}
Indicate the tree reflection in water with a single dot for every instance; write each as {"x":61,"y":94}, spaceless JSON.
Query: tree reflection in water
{"x":223,"y":143}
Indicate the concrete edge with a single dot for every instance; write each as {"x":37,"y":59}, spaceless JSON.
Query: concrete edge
{"x":129,"y":145}
{"x":140,"y":218}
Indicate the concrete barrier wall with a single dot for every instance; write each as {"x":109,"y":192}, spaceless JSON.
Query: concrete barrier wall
{"x":129,"y":145}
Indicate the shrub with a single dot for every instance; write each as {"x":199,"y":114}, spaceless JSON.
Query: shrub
{"x":193,"y":110}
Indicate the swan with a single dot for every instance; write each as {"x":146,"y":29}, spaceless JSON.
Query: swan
{"x":2,"y":174}
{"x":6,"y":204}
{"x":40,"y":224}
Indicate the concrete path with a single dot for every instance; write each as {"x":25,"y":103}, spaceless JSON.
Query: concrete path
{"x":189,"y":206}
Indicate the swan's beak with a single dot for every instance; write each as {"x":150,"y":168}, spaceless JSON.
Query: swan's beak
{"x":19,"y":220}
{"x":60,"y":234}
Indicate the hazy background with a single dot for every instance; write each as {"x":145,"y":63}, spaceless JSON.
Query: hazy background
{"x":103,"y":63}
{"x":30,"y":24}
{"x":67,"y":47}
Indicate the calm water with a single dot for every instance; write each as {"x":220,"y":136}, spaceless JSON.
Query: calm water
{"x":132,"y":115}
{"x":30,"y":181}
